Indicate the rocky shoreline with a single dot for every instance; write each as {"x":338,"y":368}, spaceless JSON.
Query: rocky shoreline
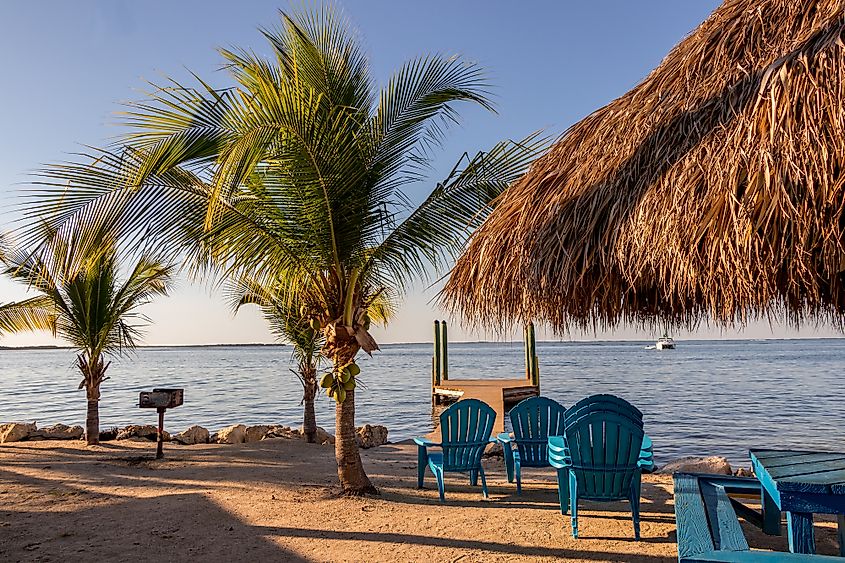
{"x":367,"y":436}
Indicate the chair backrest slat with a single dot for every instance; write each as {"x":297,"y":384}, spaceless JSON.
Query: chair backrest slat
{"x":465,"y":427}
{"x":533,"y":421}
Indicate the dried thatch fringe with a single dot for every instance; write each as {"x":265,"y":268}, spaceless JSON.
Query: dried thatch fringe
{"x":714,"y":189}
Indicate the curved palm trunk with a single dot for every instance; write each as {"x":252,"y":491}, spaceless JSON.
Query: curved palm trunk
{"x":342,"y":349}
{"x":309,"y":392}
{"x":93,"y":373}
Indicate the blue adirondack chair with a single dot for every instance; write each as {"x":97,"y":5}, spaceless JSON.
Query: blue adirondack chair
{"x":465,"y":428}
{"x":533,"y":421}
{"x":601,"y":455}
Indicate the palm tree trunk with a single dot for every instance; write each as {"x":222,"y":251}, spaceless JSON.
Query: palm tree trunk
{"x":342,"y":348}
{"x":309,"y":419}
{"x":93,"y":373}
{"x":350,"y":470}
{"x":92,"y":420}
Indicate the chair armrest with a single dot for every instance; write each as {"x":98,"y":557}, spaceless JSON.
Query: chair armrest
{"x":425,"y":442}
{"x":646,"y":459}
{"x":504,"y":438}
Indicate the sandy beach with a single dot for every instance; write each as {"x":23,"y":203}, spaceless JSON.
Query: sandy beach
{"x":277,"y":500}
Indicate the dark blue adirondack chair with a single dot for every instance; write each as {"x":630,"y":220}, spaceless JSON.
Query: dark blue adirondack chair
{"x":600,"y":457}
{"x":465,"y":428}
{"x":612,"y":403}
{"x":533,"y":421}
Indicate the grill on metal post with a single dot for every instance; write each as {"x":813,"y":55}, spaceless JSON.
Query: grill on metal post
{"x":161,"y":400}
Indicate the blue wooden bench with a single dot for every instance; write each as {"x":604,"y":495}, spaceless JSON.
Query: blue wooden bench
{"x":708,"y":528}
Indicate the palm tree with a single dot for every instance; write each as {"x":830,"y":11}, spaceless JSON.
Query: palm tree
{"x":298,"y":172}
{"x":289,"y":321}
{"x":87,"y":306}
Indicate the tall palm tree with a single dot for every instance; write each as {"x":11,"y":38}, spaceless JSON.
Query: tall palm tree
{"x":88,"y":306}
{"x":299,"y":171}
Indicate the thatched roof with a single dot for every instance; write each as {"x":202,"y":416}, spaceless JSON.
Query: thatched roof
{"x":713,"y":189}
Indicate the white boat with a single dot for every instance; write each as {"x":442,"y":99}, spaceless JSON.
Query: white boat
{"x":665,"y":343}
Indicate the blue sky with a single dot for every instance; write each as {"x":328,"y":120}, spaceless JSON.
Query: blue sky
{"x":69,"y":65}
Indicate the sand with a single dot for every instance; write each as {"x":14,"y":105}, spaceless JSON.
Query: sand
{"x":277,"y":500}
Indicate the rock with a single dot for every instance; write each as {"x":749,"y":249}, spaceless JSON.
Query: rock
{"x":212,"y":438}
{"x":59,"y":432}
{"x":278,"y":431}
{"x":322,"y":437}
{"x":15,"y":431}
{"x":256,"y":433}
{"x":235,"y":434}
{"x":714,"y":464}
{"x":108,"y":434}
{"x":743,"y":472}
{"x":370,"y":436}
{"x":141,"y":433}
{"x":494,"y":450}
{"x":193,"y":435}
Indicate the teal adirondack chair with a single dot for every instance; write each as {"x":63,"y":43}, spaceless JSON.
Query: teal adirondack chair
{"x":601,"y":455}
{"x":533,"y":421}
{"x":465,"y":428}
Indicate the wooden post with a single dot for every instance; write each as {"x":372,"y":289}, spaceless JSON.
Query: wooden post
{"x":535,"y":363}
{"x":435,"y":363}
{"x":527,"y":352}
{"x":444,"y":352}
{"x":159,"y":446}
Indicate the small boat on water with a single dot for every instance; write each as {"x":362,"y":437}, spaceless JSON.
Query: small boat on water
{"x":665,"y":342}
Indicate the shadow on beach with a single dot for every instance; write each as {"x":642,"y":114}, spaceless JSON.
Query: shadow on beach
{"x":277,"y":500}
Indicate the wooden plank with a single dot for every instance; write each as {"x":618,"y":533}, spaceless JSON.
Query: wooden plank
{"x":757,"y":557}
{"x":800,"y":532}
{"x":771,"y":514}
{"x":724,"y":525}
{"x":770,"y":455}
{"x":747,"y":513}
{"x":693,"y":531}
{"x":817,"y":457}
{"x":793,"y":469}
{"x":812,"y":483}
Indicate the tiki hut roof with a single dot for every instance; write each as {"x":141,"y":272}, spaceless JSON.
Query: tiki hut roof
{"x":714,"y":189}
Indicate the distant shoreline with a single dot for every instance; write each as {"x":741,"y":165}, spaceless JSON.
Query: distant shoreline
{"x":248,"y":345}
{"x":503,"y":342}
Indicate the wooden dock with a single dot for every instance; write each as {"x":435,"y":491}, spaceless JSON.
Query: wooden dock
{"x":501,"y":394}
{"x":498,"y":393}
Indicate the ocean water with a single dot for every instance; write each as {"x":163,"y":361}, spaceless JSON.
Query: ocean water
{"x":703,"y":398}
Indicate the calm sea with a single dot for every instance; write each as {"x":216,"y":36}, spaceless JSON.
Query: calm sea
{"x":705,"y":397}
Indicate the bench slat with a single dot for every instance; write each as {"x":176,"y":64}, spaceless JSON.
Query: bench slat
{"x":724,"y":525}
{"x":691,"y":518}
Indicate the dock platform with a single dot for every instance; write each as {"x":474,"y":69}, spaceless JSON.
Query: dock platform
{"x":498,"y":393}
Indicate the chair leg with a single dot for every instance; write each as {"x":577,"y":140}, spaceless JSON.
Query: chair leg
{"x":573,"y":503}
{"x":509,"y":462}
{"x":634,"y":498}
{"x":563,"y":490}
{"x":422,"y":463}
{"x":518,"y":472}
{"x":483,"y":482}
{"x":441,"y":488}
{"x":473,"y":478}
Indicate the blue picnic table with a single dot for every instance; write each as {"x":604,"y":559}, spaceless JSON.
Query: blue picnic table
{"x":801,"y":483}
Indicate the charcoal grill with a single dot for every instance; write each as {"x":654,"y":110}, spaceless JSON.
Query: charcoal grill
{"x":161,"y":400}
